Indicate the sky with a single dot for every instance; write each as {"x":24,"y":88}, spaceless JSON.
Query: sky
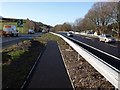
{"x":50,"y":13}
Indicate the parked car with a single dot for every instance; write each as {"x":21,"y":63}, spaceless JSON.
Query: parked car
{"x":106,"y":38}
{"x":69,"y":34}
{"x":31,"y":31}
{"x":10,"y":30}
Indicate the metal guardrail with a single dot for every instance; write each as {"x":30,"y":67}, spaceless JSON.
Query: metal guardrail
{"x":109,"y":72}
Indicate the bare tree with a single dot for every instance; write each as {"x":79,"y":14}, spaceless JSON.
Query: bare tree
{"x":118,"y":16}
{"x":77,"y":21}
{"x":66,"y":27}
{"x":100,"y":16}
{"x":58,"y":28}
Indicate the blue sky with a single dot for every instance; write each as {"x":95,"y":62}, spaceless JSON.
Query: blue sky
{"x":50,"y":13}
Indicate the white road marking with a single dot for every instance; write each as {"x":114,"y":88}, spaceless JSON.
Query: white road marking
{"x":112,"y":45}
{"x":98,"y":49}
{"x":88,"y":37}
{"x":107,"y":44}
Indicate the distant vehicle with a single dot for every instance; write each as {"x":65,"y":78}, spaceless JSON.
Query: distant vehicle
{"x":90,"y":32}
{"x":69,"y":34}
{"x":10,"y":30}
{"x":43,"y":31}
{"x":71,"y":31}
{"x":31,"y":31}
{"x":106,"y":38}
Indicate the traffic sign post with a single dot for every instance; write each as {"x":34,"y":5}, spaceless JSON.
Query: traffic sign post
{"x":20,"y":23}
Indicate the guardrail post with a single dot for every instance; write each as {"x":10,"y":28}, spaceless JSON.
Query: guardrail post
{"x":78,"y":56}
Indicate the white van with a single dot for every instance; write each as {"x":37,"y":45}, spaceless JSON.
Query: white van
{"x":10,"y":30}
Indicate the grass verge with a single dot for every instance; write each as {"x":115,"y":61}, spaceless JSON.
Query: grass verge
{"x":17,"y":61}
{"x":47,"y":37}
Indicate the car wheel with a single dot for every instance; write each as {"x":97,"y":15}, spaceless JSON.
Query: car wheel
{"x":5,"y":35}
{"x":16,"y":35}
{"x":105,"y":41}
{"x":12,"y":35}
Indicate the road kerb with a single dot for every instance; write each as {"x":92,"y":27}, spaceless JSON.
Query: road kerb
{"x":66,"y":68}
{"x":31,"y":71}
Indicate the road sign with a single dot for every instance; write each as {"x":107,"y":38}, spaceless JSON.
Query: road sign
{"x":20,"y":23}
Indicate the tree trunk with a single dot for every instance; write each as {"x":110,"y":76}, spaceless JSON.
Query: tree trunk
{"x":119,"y":19}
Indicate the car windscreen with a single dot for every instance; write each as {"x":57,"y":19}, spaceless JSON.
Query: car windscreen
{"x":70,"y":33}
{"x":6,"y":29}
{"x":108,"y":36}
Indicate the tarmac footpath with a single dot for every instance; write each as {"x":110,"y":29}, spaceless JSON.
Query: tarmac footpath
{"x":50,"y":71}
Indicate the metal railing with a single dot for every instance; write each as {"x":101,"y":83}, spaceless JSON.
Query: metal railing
{"x":108,"y":71}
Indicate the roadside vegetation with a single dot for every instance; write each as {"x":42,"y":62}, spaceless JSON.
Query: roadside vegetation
{"x":25,"y":25}
{"x":47,"y":37}
{"x":17,"y":62}
{"x":103,"y":17}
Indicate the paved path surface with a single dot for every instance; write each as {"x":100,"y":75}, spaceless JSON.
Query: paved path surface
{"x":50,"y":72}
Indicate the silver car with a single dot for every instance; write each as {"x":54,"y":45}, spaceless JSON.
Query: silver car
{"x":69,"y":34}
{"x":106,"y":38}
{"x":31,"y":31}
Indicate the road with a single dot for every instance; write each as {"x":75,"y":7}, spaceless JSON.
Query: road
{"x":8,"y":41}
{"x":111,"y":48}
{"x":109,"y":53}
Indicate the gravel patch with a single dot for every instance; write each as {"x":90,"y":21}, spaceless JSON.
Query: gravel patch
{"x":82,"y":74}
